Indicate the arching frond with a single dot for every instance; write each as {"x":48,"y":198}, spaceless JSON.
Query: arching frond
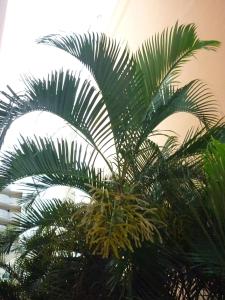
{"x":114,"y":71}
{"x":66,"y":96}
{"x":161,"y":57}
{"x":193,"y":98}
{"x":59,"y":163}
{"x":197,"y":140}
{"x":110,"y":64}
{"x":46,"y":214}
{"x":52,"y":216}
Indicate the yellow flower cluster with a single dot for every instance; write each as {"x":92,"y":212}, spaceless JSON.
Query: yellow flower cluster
{"x":117,"y":221}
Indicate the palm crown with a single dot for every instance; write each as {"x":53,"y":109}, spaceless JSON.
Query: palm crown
{"x":116,"y":113}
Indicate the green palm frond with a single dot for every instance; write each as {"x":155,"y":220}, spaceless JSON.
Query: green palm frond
{"x":45,"y":214}
{"x":110,"y":64}
{"x":114,"y":71}
{"x":192,"y":98}
{"x":7,"y":239}
{"x":161,"y":57}
{"x":9,"y":291}
{"x":52,"y":217}
{"x":133,"y":161}
{"x":66,"y":96}
{"x":208,"y":246}
{"x":53,"y":163}
{"x":197,"y":140}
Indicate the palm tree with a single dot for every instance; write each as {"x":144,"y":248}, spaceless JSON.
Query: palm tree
{"x":140,"y":194}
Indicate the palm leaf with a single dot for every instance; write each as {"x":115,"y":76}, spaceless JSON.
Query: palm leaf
{"x":208,"y":245}
{"x":193,"y":98}
{"x":115,"y":73}
{"x":59,"y":163}
{"x":66,"y":96}
{"x":161,"y":57}
{"x":46,"y":214}
{"x":110,"y":64}
{"x":197,"y":140}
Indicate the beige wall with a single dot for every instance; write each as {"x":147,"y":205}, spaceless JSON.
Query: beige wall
{"x":136,"y":20}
